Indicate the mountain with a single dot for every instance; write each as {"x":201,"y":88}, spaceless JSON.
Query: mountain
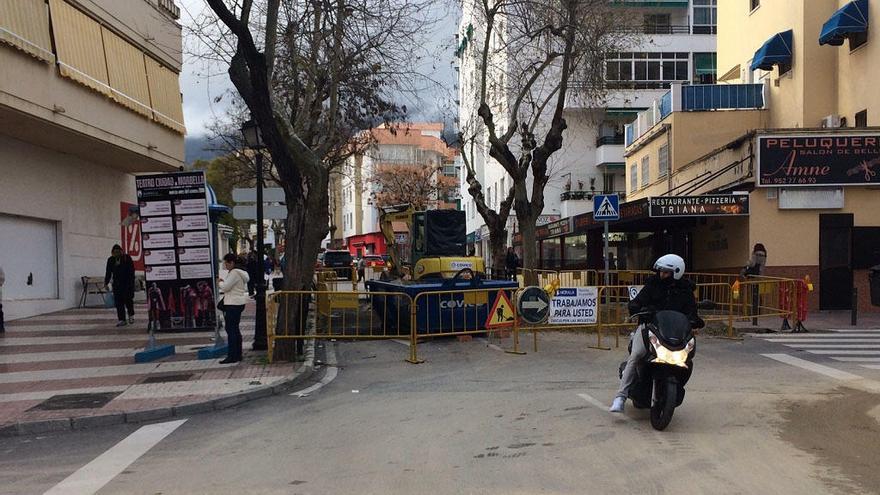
{"x":198,"y":148}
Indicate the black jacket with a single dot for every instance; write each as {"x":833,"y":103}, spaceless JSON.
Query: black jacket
{"x":671,"y":294}
{"x":511,"y":261}
{"x":122,"y":274}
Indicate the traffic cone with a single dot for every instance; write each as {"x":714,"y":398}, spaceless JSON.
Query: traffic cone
{"x":735,"y":289}
{"x":808,"y":283}
{"x":550,"y":288}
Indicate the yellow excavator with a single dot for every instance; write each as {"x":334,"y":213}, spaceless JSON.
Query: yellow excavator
{"x":437,"y":242}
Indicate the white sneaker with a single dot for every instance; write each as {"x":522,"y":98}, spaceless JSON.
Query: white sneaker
{"x":618,"y":405}
{"x":131,"y":320}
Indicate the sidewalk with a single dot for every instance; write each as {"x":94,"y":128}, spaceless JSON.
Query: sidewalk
{"x":75,"y":369}
{"x":817,"y":321}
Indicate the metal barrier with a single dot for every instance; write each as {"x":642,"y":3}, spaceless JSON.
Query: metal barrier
{"x":322,"y":314}
{"x":458,"y":312}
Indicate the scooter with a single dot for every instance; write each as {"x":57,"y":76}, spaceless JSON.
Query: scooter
{"x":667,"y":367}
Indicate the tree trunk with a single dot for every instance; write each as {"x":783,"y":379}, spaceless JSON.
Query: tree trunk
{"x":529,"y":249}
{"x":302,"y":243}
{"x":497,"y":248}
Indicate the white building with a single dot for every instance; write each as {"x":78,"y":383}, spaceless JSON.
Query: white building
{"x":676,"y":44}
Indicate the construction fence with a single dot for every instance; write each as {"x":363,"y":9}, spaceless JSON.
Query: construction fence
{"x":334,"y":312}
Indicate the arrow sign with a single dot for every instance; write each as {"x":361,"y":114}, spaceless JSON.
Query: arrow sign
{"x":534,"y":305}
{"x":539,"y":305}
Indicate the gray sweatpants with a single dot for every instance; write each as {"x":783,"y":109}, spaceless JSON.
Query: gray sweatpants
{"x":638,"y":352}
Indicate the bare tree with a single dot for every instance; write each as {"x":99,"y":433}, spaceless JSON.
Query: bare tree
{"x":313,"y":74}
{"x":521,"y":59}
{"x":421,"y":186}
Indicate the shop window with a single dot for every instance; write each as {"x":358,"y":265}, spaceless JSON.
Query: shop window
{"x":575,"y":251}
{"x":857,"y":39}
{"x":862,"y":118}
{"x":646,"y":171}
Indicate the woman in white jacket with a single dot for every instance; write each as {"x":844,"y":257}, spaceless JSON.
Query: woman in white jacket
{"x":235,"y":296}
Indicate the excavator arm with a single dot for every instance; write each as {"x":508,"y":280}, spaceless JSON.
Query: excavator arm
{"x":391,"y":214}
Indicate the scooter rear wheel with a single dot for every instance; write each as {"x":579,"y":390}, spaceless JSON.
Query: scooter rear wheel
{"x":664,"y":405}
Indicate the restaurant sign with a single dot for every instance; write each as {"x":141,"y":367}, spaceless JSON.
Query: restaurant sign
{"x":709,"y":205}
{"x":819,"y":160}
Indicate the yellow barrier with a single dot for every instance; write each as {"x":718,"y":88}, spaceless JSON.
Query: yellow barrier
{"x":322,"y":314}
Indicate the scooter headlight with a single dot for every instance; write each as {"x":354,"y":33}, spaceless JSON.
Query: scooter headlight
{"x":666,"y":356}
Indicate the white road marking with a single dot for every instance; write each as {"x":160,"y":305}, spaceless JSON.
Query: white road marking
{"x":401,"y":342}
{"x":594,"y":401}
{"x":814,"y":367}
{"x":845,"y":352}
{"x":860,"y":330}
{"x":329,"y":376}
{"x":834,"y":346}
{"x":801,"y":336}
{"x":824,"y":341}
{"x":857,"y":359}
{"x":871,"y":366}
{"x":94,"y":475}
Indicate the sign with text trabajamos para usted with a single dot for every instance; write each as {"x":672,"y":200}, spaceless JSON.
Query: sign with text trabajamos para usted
{"x":832,"y":159}
{"x":176,"y":242}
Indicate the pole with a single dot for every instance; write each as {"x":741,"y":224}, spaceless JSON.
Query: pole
{"x":854,"y":315}
{"x":607,"y":263}
{"x":260,"y":343}
{"x":607,"y":283}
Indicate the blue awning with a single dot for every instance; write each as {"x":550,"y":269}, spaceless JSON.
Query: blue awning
{"x":777,"y":50}
{"x":215,"y":209}
{"x":851,"y":18}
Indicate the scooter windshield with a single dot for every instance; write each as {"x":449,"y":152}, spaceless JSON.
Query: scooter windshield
{"x":673,"y":327}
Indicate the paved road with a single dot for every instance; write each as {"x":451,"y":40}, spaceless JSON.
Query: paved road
{"x":475,"y":420}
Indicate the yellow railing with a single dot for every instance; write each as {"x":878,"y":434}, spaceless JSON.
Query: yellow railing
{"x":329,"y":314}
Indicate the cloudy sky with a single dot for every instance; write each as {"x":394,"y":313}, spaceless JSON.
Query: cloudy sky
{"x":203,"y":83}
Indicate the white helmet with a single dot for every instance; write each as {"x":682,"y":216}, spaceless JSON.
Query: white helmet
{"x":670,"y":263}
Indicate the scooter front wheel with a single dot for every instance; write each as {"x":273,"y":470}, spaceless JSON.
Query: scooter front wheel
{"x":663,"y":406}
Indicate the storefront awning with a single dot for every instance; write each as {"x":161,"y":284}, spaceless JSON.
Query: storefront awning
{"x":851,"y":18}
{"x":776,"y":51}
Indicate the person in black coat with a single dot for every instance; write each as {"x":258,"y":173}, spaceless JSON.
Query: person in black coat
{"x":511,"y":262}
{"x":120,"y":269}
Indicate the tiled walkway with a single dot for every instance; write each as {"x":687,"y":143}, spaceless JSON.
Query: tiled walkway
{"x":76,"y":364}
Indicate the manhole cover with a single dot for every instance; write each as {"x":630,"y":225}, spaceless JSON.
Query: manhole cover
{"x":167,"y":378}
{"x":76,"y":401}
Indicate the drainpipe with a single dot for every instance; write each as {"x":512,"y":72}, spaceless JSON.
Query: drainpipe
{"x":668,"y":129}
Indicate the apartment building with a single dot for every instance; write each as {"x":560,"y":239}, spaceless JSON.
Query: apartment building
{"x":791,"y":134}
{"x":89,"y":96}
{"x":674,"y":44}
{"x":409,"y":145}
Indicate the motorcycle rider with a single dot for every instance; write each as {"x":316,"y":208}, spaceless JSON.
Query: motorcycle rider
{"x":665,"y":290}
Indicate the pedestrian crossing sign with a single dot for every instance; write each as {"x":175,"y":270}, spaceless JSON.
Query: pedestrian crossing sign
{"x":606,"y":207}
{"x":502,"y":313}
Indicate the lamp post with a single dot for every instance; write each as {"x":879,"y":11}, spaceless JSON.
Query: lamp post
{"x":254,"y":141}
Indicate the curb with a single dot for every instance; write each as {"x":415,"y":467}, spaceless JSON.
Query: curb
{"x":22,"y":428}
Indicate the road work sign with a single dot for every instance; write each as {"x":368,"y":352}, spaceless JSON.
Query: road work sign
{"x":574,"y":306}
{"x":533,"y":305}
{"x":502,"y":313}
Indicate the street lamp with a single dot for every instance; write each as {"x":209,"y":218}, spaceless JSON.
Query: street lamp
{"x":253,"y":140}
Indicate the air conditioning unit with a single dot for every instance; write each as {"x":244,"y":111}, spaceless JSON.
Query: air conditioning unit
{"x":830,"y":121}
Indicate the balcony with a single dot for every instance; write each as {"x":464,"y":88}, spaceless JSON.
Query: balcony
{"x":609,"y":151}
{"x":587,"y":195}
{"x":696,"y":98}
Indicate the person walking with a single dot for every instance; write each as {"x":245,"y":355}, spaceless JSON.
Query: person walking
{"x":2,"y":281}
{"x":253,"y":271}
{"x":120,"y":269}
{"x":511,"y":262}
{"x":362,"y":268}
{"x":232,"y":302}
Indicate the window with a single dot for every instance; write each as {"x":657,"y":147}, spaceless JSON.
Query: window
{"x":607,"y":183}
{"x":657,"y":24}
{"x":705,"y":68}
{"x":633,"y":177}
{"x":754,"y":4}
{"x":646,"y":171}
{"x":646,"y":70}
{"x":857,"y":39}
{"x":705,"y":16}
{"x":862,"y":118}
{"x":576,"y":251}
{"x":663,"y":160}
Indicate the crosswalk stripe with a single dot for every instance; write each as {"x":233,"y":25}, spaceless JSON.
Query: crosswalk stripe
{"x":871,"y":366}
{"x":844,"y":352}
{"x":834,"y":346}
{"x":104,"y":371}
{"x":857,"y":359}
{"x":824,"y":341}
{"x":859,"y":330}
{"x":800,"y":336}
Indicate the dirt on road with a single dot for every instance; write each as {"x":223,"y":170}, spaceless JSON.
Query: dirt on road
{"x":841,"y":431}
